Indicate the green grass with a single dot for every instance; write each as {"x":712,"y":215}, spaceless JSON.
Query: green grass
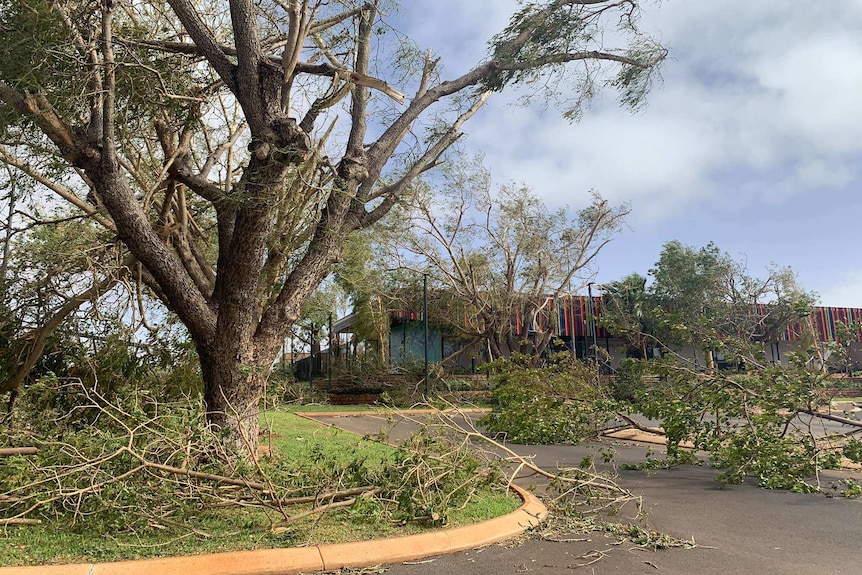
{"x":295,"y":437}
{"x":215,"y":530}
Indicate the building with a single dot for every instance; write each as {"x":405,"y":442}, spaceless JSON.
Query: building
{"x":571,"y":321}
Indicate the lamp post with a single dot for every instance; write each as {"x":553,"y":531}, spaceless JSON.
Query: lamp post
{"x":592,"y":317}
{"x":329,"y":353}
{"x":311,"y":357}
{"x":425,"y":319}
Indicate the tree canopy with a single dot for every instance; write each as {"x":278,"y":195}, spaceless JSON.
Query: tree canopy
{"x":703,"y":298}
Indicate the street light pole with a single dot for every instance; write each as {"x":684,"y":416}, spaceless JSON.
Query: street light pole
{"x":425,"y":318}
{"x":592,"y":317}
{"x":311,"y":357}
{"x":593,"y":328}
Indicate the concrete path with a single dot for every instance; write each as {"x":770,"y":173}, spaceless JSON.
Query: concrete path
{"x":739,"y":529}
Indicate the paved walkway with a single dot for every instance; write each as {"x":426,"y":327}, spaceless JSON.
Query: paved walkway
{"x":740,"y":529}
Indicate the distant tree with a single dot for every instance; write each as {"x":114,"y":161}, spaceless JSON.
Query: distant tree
{"x":707,"y":299}
{"x":500,"y":255}
{"x":206,"y":140}
{"x":627,"y":312}
{"x":703,"y":298}
{"x":763,"y":420}
{"x":58,"y":268}
{"x":372,"y":289}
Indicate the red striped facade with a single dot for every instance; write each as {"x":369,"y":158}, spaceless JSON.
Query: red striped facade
{"x":570,"y":317}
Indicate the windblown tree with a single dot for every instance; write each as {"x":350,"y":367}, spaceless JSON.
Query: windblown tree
{"x":701,"y":297}
{"x":763,"y":421}
{"x":627,"y":313}
{"x":498,"y":255}
{"x":55,"y":265}
{"x":704,"y":298}
{"x":204,"y":136}
{"x":373,"y":290}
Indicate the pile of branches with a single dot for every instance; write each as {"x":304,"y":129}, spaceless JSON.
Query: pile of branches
{"x":582,"y":491}
{"x":130,"y":463}
{"x":766,"y":422}
{"x":581,"y":499}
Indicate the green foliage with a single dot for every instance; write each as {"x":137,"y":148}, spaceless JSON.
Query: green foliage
{"x":42,"y":55}
{"x":701,"y":297}
{"x":73,"y":425}
{"x":283,"y":388}
{"x":744,"y":422}
{"x":628,"y":384}
{"x":560,"y":402}
{"x":853,"y":450}
{"x":457,"y":385}
{"x":429,"y":486}
{"x":680,"y":457}
{"x":91,"y":488}
{"x":362,"y":277}
{"x":626,"y":312}
{"x":853,"y":489}
{"x":637,"y":534}
{"x":554,"y":32}
{"x":37,"y":51}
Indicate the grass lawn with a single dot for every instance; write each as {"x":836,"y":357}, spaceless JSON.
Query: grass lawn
{"x":206,"y":530}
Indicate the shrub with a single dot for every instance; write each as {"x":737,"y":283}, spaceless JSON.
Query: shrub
{"x":559,"y":402}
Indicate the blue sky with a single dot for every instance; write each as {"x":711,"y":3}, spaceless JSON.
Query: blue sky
{"x":753,"y":140}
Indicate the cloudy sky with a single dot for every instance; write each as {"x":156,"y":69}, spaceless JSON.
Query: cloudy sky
{"x":752,"y":141}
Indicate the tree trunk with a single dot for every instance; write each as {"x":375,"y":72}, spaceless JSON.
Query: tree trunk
{"x":233,"y":388}
{"x":541,"y":342}
{"x":709,"y":359}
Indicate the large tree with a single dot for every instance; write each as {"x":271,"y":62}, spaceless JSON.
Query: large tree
{"x":203,"y":134}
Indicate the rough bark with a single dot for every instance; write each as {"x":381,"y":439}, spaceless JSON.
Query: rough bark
{"x":232,"y":394}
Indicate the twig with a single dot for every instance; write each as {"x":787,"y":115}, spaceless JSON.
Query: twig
{"x":20,"y":521}
{"x":640,"y":427}
{"x":322,"y":508}
{"x":330,"y":496}
{"x":9,"y":451}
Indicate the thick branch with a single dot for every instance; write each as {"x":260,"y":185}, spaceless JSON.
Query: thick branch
{"x":380,"y":152}
{"x":39,"y":110}
{"x":391,"y":193}
{"x":10,"y":451}
{"x":205,"y":43}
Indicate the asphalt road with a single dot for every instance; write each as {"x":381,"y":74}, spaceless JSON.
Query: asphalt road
{"x":739,"y":529}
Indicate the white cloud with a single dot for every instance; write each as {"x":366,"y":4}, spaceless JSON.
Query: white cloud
{"x":752,"y":88}
{"x":754,"y":140}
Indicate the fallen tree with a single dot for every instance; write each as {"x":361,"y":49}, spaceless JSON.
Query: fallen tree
{"x":762,"y":423}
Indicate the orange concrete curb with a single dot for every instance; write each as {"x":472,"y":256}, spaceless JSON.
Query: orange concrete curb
{"x":296,"y":560}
